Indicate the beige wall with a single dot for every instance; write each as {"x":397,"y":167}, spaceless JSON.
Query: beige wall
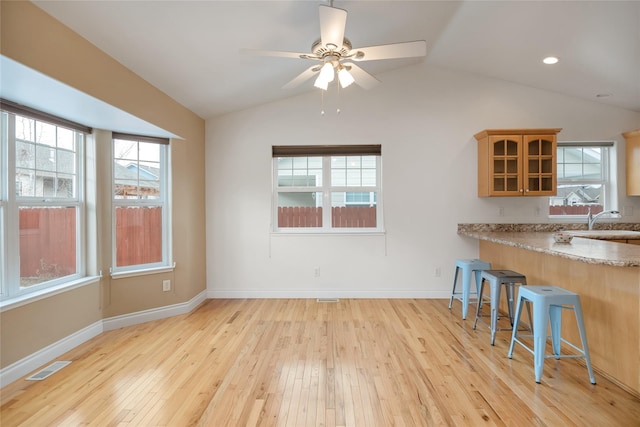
{"x":33,"y":38}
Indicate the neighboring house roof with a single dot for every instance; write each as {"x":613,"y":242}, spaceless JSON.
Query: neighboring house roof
{"x":128,"y":176}
{"x":146,"y":172}
{"x":582,"y":195}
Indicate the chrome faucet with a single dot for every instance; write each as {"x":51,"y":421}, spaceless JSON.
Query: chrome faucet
{"x":591,"y":219}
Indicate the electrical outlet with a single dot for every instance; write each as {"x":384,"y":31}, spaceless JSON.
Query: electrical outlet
{"x":437,"y":272}
{"x":316,"y":272}
{"x":500,"y":211}
{"x":166,"y":285}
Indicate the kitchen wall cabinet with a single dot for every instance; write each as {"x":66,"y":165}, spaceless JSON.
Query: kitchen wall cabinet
{"x":633,"y":162}
{"x":517,"y":162}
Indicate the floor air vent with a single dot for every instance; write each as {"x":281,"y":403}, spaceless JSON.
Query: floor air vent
{"x":328,"y":299}
{"x":48,"y":371}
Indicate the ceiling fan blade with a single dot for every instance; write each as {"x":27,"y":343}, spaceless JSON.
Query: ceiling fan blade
{"x":302,"y":77}
{"x":332,"y":24}
{"x":277,"y":53}
{"x":390,"y":51}
{"x":362,"y":78}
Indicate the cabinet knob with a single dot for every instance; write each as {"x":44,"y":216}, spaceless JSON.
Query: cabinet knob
{"x":527,"y":190}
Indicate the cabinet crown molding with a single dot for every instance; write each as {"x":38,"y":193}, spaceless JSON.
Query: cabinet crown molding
{"x":546,"y":131}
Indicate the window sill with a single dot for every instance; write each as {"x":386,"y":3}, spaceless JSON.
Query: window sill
{"x":25,"y":299}
{"x":349,"y":232}
{"x":143,"y":272}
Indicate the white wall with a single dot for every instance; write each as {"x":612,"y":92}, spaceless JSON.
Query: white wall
{"x":425,"y":119}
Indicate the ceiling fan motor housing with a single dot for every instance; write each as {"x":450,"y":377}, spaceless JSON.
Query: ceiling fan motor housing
{"x":322,"y":51}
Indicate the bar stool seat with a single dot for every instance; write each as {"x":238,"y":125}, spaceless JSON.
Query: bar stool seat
{"x":468,"y":267}
{"x":548,"y":303}
{"x":496,"y":279}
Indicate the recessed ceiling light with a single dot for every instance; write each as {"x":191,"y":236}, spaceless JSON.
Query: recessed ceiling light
{"x":550,"y":60}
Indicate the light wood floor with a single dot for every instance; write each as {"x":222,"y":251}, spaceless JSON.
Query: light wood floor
{"x":308,"y":363}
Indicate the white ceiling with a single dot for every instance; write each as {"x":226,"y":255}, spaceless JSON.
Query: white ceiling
{"x":190,"y":49}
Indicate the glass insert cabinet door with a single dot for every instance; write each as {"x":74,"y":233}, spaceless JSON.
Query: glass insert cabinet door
{"x":540,"y":165}
{"x":506,"y":174}
{"x":517,"y":162}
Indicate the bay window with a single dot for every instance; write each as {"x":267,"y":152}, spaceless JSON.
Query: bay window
{"x":41,"y":202}
{"x":140,"y":203}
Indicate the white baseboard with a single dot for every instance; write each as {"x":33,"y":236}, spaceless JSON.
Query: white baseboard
{"x":24,"y":366}
{"x":391,"y":294}
{"x":131,"y":319}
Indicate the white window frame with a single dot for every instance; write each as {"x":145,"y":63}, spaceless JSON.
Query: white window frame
{"x":326,"y":190}
{"x":164,"y":202}
{"x":607,"y":183}
{"x":11,"y":281}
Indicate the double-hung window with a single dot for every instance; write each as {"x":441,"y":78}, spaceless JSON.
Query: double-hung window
{"x":41,"y":202}
{"x":141,"y":214}
{"x":583,"y":179}
{"x":327,"y":188}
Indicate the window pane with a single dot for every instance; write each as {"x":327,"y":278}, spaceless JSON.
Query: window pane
{"x":25,"y":129}
{"x":338,"y":177}
{"x":572,"y":171}
{"x":353,"y":178}
{"x":25,"y":183}
{"x":353,"y":171}
{"x":65,"y":186}
{"x":25,"y":155}
{"x":138,"y":235}
{"x":45,"y":158}
{"x":66,"y":161}
{"x":45,"y":134}
{"x":353,"y":209}
{"x":299,"y":171}
{"x":299,"y":209}
{"x":47,"y":244}
{"x":125,"y":149}
{"x":66,"y":139}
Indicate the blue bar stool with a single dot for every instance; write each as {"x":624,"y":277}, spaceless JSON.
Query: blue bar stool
{"x":548,"y":303}
{"x":496,"y":279}
{"x":468,"y":266}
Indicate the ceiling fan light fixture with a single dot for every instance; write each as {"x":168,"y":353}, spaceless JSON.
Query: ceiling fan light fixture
{"x":321,"y":84}
{"x":345,"y":77}
{"x":326,"y":72}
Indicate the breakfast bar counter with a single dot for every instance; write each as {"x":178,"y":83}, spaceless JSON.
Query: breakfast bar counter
{"x":605,"y":274}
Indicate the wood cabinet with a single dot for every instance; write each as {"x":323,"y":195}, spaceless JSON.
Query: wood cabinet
{"x":517,"y":162}
{"x":633,"y":162}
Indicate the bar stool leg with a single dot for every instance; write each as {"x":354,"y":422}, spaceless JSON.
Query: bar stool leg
{"x":539,"y":337}
{"x":455,"y":281}
{"x":583,"y":338}
{"x":555,"y":319}
{"x":479,"y":303}
{"x":514,"y":333}
{"x":466,"y":290}
{"x":495,"y":301}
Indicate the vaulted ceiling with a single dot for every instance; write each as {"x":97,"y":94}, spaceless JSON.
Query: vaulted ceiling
{"x":191,"y":49}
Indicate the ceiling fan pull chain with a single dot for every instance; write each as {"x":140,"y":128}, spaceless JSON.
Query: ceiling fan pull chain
{"x":338,"y":109}
{"x":322,"y":103}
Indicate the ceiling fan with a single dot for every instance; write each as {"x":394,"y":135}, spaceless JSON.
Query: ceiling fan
{"x":335,"y":55}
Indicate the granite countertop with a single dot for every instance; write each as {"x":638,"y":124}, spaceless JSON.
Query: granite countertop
{"x":591,"y":251}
